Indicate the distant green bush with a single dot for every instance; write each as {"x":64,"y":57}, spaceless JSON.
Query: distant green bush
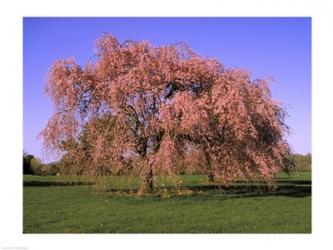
{"x":31,"y":164}
{"x":302,"y":162}
{"x":35,"y":165}
{"x":49,"y":169}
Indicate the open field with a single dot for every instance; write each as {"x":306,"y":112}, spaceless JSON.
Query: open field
{"x":51,"y":206}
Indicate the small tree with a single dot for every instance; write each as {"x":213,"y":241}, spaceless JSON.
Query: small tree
{"x":159,"y":103}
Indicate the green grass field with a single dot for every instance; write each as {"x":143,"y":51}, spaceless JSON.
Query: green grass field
{"x":52,"y":206}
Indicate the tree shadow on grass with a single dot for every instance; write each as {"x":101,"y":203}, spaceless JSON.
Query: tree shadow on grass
{"x":284,"y":188}
{"x":289,"y":188}
{"x":239,"y":190}
{"x":54,"y":183}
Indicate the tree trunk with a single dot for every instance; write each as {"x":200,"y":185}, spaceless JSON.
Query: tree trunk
{"x":211,"y":177}
{"x":148,"y":182}
{"x":210,"y":171}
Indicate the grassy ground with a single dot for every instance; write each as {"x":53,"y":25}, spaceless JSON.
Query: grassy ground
{"x":52,"y":206}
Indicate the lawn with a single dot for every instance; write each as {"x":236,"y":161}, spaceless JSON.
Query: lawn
{"x":50,"y":205}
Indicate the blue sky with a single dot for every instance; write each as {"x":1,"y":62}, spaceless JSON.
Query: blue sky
{"x":275,"y":47}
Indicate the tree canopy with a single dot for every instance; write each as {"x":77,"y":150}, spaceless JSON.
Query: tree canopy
{"x":162,"y":104}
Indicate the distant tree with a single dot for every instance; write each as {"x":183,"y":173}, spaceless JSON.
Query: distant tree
{"x":26,"y":163}
{"x":302,"y":162}
{"x":35,"y":165}
{"x":156,"y":103}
